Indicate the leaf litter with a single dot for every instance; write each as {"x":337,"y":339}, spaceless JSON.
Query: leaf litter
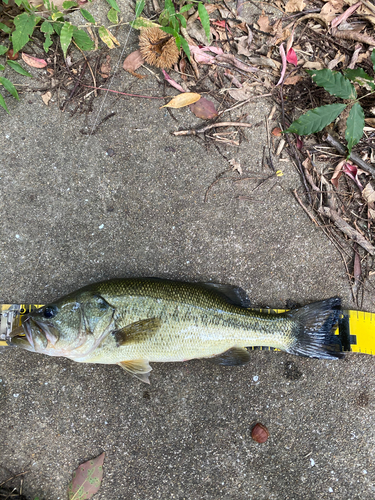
{"x":243,"y":62}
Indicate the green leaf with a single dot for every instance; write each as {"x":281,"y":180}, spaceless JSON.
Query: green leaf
{"x":57,"y":27}
{"x":373,"y":58}
{"x":5,"y":28}
{"x":9,"y":87}
{"x":164,"y":18}
{"x":139,"y":6}
{"x":46,"y":27}
{"x":185,"y":47}
{"x":174,"y":24}
{"x":66,"y":36}
{"x":205,"y":20}
{"x":113,"y":16}
{"x":17,"y":67}
{"x":25,"y":24}
{"x":3,"y":105}
{"x":87,"y":16}
{"x":360,"y":76}
{"x":354,"y":126}
{"x":182,"y":20}
{"x":2,"y":67}
{"x":169,"y":7}
{"x":170,"y":31}
{"x":47,"y":42}
{"x":3,"y":50}
{"x":68,"y":5}
{"x":178,"y":42}
{"x":142,"y":22}
{"x":334,"y":83}
{"x":316,"y":119}
{"x":185,"y":8}
{"x":6,"y":2}
{"x":114,"y":5}
{"x":82,"y":39}
{"x":57,"y":16}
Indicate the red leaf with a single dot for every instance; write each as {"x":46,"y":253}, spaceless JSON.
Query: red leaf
{"x":299,"y":143}
{"x":87,"y":479}
{"x":11,"y":55}
{"x":352,"y":171}
{"x":292,"y":57}
{"x":34,"y":62}
{"x":204,"y":109}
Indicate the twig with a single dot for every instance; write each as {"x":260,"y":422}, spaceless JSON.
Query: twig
{"x":194,"y":65}
{"x":208,"y":127}
{"x":10,"y":478}
{"x":353,"y":156}
{"x":219,"y":178}
{"x":122,"y":93}
{"x":347,"y":229}
{"x":307,"y":210}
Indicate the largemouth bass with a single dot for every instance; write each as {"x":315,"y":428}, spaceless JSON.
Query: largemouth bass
{"x":132,"y":322}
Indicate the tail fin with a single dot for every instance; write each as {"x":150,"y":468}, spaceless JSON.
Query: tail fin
{"x":314,"y":330}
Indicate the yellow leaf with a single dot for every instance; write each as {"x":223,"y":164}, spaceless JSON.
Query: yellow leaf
{"x":182,"y":100}
{"x":107,"y":37}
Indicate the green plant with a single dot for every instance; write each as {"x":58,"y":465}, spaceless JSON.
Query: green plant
{"x":171,"y":21}
{"x":24,"y":24}
{"x":339,"y":85}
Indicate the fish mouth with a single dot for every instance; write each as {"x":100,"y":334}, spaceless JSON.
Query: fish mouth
{"x":23,"y":335}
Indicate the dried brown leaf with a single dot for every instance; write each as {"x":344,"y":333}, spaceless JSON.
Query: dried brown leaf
{"x":243,"y":45}
{"x":264,"y":24}
{"x":295,"y":6}
{"x":313,"y":65}
{"x":133,"y":61}
{"x":330,"y":10}
{"x":210,"y":7}
{"x":236,"y":165}
{"x":105,"y":68}
{"x":46,"y":97}
{"x":292,"y":80}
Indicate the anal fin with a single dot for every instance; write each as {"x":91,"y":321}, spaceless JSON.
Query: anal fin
{"x":236,"y":356}
{"x":139,"y":368}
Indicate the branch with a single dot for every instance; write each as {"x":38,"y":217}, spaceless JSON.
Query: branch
{"x":208,"y":127}
{"x":353,"y":156}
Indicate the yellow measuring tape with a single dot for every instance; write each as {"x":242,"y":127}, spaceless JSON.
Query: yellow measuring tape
{"x":356,"y":329}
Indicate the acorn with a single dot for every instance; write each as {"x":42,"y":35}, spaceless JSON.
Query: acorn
{"x":260,"y":433}
{"x":158,"y":48}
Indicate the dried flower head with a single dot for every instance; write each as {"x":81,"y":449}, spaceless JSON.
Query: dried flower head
{"x":158,"y":48}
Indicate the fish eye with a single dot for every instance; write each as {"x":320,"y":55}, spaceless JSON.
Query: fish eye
{"x":50,"y":311}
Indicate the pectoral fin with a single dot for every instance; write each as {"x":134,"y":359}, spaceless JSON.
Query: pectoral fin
{"x":236,"y":356}
{"x":139,"y":368}
{"x":137,"y":332}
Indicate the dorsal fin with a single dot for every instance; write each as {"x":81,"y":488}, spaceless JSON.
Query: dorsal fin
{"x":232,"y":294}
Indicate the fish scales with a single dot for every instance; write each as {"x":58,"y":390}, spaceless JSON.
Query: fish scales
{"x":192,"y":324}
